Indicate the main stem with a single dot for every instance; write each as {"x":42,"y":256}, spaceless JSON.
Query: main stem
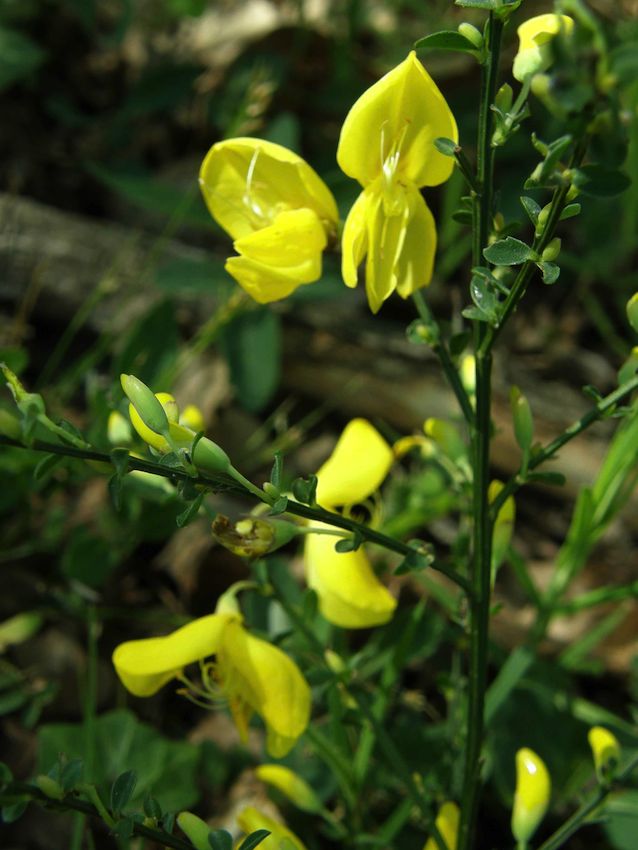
{"x":482,"y":528}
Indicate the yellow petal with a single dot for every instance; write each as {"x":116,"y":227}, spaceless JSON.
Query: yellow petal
{"x":192,"y":417}
{"x":263,"y":677}
{"x":145,"y":665}
{"x":291,"y":784}
{"x":247,"y":182}
{"x":357,"y":466}
{"x":400,"y":114}
{"x":534,"y":52}
{"x":350,"y":594}
{"x":354,"y":243}
{"x":386,"y":234}
{"x":531,"y":799}
{"x":447,"y":822}
{"x":274,"y":261}
{"x":416,"y":260}
{"x":251,"y":819}
{"x":183,"y":437}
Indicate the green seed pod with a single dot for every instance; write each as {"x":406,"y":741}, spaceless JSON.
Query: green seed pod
{"x":50,"y":787}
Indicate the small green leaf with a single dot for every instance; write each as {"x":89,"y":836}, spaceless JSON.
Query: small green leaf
{"x":507,"y":252}
{"x":255,"y":838}
{"x":599,"y":182}
{"x":555,"y":479}
{"x":120,"y":459}
{"x":123,"y":829}
{"x":305,"y":489}
{"x":5,"y":774}
{"x":485,"y":299}
{"x":191,"y":511}
{"x":462,"y":216}
{"x":122,"y":790}
{"x":531,"y":208}
{"x":46,"y":465}
{"x":220,"y":839}
{"x":550,"y":272}
{"x":489,"y":5}
{"x":570,"y":211}
{"x":12,"y":811}
{"x":71,"y":774}
{"x":349,"y":544}
{"x":446,"y":40}
{"x":152,"y":808}
{"x":115,"y":491}
{"x":277,"y":468}
{"x":279,"y":507}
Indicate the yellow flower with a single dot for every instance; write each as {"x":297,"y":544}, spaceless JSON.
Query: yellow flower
{"x":251,"y":819}
{"x":276,"y":208}
{"x":350,"y":595}
{"x":447,"y":822}
{"x":535,"y":50}
{"x":358,"y":464}
{"x":289,"y":783}
{"x":250,"y":673}
{"x":531,"y":799}
{"x":387,"y":144}
{"x":606,"y":751}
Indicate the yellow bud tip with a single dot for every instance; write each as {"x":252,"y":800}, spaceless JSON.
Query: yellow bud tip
{"x":531,"y":798}
{"x":605,"y":750}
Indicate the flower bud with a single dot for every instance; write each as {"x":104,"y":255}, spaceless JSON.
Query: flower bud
{"x":208,"y":456}
{"x":531,"y":799}
{"x":543,"y":215}
{"x":632,"y":311}
{"x":535,"y":49}
{"x":50,"y":787}
{"x":523,"y":422}
{"x":146,"y":405}
{"x":446,"y":436}
{"x":504,"y":98}
{"x":19,"y":628}
{"x":468,"y":374}
{"x":195,"y":829}
{"x":471,"y":33}
{"x":447,"y":823}
{"x":541,"y":86}
{"x":335,"y":662}
{"x":606,"y":751}
{"x":291,"y":785}
{"x":503,"y":524}
{"x":552,"y":250}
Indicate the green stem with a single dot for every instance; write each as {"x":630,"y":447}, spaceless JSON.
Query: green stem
{"x":97,"y":810}
{"x":581,"y":815}
{"x":218,"y":483}
{"x":482,"y":527}
{"x":538,"y":458}
{"x":440,"y":349}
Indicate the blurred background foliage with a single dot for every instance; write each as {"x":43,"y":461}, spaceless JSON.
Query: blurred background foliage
{"x":111,"y":263}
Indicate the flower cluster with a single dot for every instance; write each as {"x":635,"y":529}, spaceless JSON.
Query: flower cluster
{"x":282,"y":216}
